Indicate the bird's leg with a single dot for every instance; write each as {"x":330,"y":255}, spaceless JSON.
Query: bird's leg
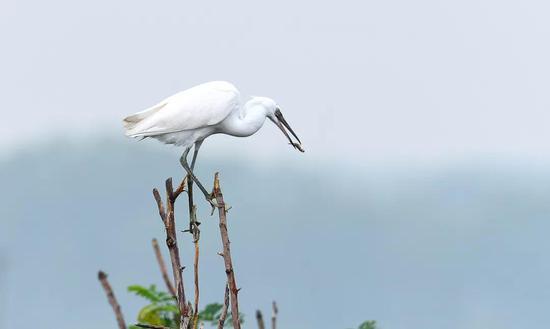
{"x":185,"y":165}
{"x":192,"y":208}
{"x":193,"y":223}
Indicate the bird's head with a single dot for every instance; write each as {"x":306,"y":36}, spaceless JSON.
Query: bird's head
{"x":274,"y":114}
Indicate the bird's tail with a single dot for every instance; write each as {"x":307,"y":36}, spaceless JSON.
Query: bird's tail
{"x":132,"y":122}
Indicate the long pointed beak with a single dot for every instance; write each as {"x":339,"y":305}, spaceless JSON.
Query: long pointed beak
{"x":282,"y":124}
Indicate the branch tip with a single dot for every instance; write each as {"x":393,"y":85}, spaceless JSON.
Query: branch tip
{"x":169,"y":188}
{"x":216,"y":181}
{"x":102,"y":276}
{"x":260,"y":319}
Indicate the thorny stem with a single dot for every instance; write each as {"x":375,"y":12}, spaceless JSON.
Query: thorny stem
{"x":195,"y":231}
{"x":233,"y":291}
{"x":167,"y":216}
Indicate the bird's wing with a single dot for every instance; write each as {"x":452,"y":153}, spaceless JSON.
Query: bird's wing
{"x":197,"y":107}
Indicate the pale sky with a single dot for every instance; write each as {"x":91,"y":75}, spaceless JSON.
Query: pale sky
{"x":356,"y":79}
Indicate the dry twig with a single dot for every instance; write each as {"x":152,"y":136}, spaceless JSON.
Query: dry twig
{"x":167,"y":216}
{"x":227,"y":254}
{"x":112,"y":299}
{"x":260,"y":319}
{"x":223,"y":315}
{"x":162,"y":267}
{"x":196,"y":273}
{"x":195,"y":231}
{"x":274,"y":316}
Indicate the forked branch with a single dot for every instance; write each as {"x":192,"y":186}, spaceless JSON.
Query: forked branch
{"x":167,"y":216}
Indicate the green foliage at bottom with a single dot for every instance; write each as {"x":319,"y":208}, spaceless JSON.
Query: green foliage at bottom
{"x":162,"y":309}
{"x":368,"y":325}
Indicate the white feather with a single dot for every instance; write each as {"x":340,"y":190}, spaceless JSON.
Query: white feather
{"x":204,"y":105}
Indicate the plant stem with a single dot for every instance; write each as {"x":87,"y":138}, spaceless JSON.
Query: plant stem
{"x":260,"y":319}
{"x":223,"y":315}
{"x":227,"y":254}
{"x":168,"y":219}
{"x":102,"y":276}
{"x":162,"y":267}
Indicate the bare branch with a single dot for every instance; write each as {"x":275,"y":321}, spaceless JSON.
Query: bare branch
{"x":195,"y":231}
{"x":163,"y":270}
{"x":260,"y":320}
{"x":180,"y":188}
{"x":172,"y":244}
{"x":223,"y":315}
{"x":158,"y":199}
{"x":274,"y":316}
{"x":196,"y":273}
{"x":112,"y":299}
{"x":227,"y":254}
{"x":169,"y":190}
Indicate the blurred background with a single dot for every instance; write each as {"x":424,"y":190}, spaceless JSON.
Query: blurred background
{"x":422,"y":199}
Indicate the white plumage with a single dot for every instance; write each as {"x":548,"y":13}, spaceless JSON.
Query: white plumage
{"x":198,"y":107}
{"x":190,"y":116}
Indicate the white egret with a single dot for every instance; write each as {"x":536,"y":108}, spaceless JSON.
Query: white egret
{"x":188,"y":117}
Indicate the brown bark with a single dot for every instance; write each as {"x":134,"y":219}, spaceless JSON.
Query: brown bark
{"x":112,"y":299}
{"x":233,"y":291}
{"x":223,"y":315}
{"x":260,"y":319}
{"x":167,"y":216}
{"x":196,"y":272}
{"x":163,"y":270}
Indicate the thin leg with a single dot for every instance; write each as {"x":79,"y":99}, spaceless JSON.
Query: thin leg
{"x":185,"y":165}
{"x":195,"y":153}
{"x":193,"y":223}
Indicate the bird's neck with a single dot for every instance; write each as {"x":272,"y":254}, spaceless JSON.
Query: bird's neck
{"x":247,"y":121}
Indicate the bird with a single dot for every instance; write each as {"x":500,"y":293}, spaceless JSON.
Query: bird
{"x":188,"y":117}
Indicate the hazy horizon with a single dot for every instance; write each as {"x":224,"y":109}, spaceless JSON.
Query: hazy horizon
{"x":454,"y":247}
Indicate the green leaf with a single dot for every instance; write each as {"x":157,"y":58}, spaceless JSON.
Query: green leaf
{"x":150,"y":315}
{"x":368,"y":325}
{"x":211,"y":312}
{"x":148,"y":293}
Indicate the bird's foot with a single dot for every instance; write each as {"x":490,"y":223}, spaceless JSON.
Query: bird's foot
{"x":213,"y":203}
{"x":192,"y":227}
